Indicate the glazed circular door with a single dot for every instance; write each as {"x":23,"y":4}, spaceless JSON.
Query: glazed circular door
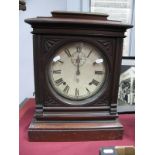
{"x":77,"y":71}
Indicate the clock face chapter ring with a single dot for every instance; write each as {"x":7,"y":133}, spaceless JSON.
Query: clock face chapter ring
{"x":77,"y":73}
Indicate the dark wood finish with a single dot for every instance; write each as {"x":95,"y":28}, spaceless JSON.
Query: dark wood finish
{"x":73,"y":19}
{"x":75,"y":131}
{"x":22,"y":5}
{"x":129,"y":57}
{"x":78,"y":15}
{"x":49,"y":34}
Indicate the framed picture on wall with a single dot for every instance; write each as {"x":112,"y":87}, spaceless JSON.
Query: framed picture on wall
{"x":126,"y":93}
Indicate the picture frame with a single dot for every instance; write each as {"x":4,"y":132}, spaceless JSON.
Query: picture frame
{"x":126,"y":93}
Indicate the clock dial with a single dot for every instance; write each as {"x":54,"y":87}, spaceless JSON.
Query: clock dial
{"x":77,"y":71}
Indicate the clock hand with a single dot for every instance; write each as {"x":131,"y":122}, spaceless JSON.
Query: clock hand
{"x":78,"y":62}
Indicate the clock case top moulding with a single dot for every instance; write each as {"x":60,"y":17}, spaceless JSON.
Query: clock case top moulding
{"x":55,"y":120}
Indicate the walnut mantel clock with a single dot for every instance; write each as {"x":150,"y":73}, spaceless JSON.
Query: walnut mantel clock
{"x":77,"y":60}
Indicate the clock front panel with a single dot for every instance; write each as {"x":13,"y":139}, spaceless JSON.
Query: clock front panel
{"x":77,"y":73}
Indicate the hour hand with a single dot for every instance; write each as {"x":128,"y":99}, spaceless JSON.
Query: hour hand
{"x":78,"y":71}
{"x":78,"y":62}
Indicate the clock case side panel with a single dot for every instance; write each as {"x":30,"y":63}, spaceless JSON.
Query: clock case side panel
{"x":38,"y":95}
{"x":116,"y":75}
{"x":115,"y":60}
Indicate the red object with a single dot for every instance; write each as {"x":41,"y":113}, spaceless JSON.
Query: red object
{"x":68,"y":148}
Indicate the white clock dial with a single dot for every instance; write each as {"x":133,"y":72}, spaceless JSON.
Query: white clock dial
{"x":77,"y":71}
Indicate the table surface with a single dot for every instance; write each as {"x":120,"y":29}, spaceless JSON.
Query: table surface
{"x":68,"y":148}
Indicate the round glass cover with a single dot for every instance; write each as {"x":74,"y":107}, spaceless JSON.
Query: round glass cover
{"x":77,"y":71}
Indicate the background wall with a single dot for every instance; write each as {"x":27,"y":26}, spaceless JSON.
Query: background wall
{"x":37,"y":8}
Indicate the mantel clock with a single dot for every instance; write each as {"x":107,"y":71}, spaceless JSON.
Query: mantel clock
{"x":77,"y":60}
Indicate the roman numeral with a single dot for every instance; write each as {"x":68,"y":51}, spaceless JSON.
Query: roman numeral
{"x":89,"y":53}
{"x":59,"y":82}
{"x":94,"y":82}
{"x":79,"y":49}
{"x":66,"y":89}
{"x":56,"y":71}
{"x":61,"y":61}
{"x":68,"y":52}
{"x":88,"y":90}
{"x":76,"y":92}
{"x":99,"y":72}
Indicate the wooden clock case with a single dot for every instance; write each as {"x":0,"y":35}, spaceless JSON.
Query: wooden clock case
{"x":55,"y":120}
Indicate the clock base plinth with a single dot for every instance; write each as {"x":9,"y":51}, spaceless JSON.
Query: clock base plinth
{"x":75,"y":131}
